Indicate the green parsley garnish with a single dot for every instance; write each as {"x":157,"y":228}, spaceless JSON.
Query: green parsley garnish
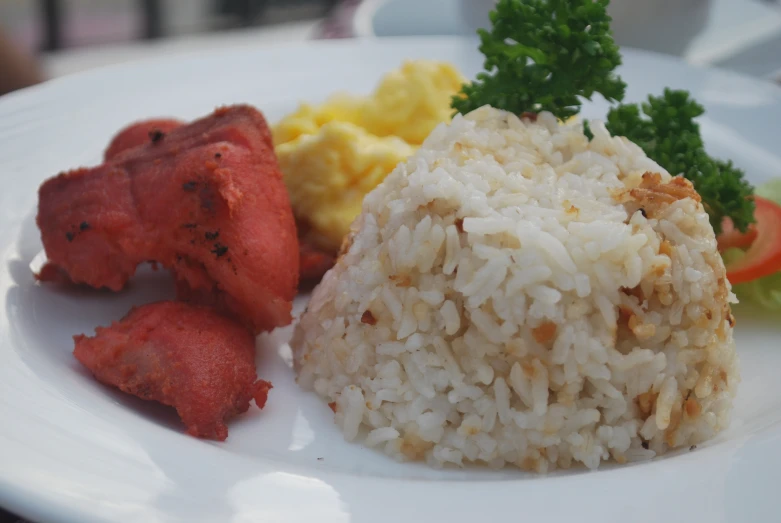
{"x":545,"y":55}
{"x":665,"y":128}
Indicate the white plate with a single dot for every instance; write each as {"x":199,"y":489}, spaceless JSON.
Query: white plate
{"x":73,"y":450}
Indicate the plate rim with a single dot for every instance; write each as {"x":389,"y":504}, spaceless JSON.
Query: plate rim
{"x":347,"y":43}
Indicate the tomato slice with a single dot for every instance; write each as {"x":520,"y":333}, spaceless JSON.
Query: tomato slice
{"x":763,"y":257}
{"x":731,"y":238}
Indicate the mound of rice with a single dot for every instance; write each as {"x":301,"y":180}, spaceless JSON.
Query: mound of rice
{"x":515,"y":294}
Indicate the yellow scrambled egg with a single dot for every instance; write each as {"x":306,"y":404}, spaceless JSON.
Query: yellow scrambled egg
{"x":333,"y":154}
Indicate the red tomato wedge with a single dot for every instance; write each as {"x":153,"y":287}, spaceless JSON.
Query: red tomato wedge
{"x":763,"y":256}
{"x":730,"y":237}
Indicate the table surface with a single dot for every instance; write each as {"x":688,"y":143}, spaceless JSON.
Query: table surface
{"x":741,"y":35}
{"x":72,"y":61}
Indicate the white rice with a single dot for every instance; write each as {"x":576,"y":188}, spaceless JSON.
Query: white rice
{"x":504,"y":300}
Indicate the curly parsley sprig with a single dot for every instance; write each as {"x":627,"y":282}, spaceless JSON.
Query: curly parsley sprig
{"x":545,"y":55}
{"x":665,"y":128}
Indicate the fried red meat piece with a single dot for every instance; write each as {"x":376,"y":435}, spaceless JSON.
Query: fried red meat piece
{"x":207,"y":201}
{"x":313,"y":261}
{"x":189,"y":357}
{"x":139,"y":133}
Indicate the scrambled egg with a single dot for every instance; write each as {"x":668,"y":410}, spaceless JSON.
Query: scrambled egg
{"x":333,"y":154}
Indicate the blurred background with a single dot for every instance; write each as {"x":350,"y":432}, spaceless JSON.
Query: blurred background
{"x":51,"y":25}
{"x":48,"y":38}
{"x":65,"y":36}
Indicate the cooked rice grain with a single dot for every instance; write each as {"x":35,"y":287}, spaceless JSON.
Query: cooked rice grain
{"x":515,"y":294}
